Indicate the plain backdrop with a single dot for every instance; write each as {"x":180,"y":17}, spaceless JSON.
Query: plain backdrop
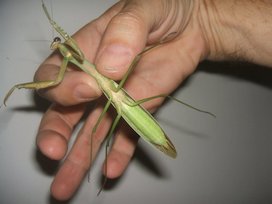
{"x":222,"y":160}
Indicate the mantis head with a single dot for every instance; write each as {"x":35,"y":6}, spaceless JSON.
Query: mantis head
{"x":55,"y":43}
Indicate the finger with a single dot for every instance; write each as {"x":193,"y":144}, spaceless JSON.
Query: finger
{"x":77,"y":163}
{"x":125,"y":36}
{"x":56,"y":128}
{"x":122,"y":150}
{"x":77,"y":86}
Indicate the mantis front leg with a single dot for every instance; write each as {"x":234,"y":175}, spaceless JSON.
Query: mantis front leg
{"x":135,"y":61}
{"x":40,"y":84}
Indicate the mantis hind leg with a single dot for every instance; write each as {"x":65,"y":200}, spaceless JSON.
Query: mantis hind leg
{"x":94,"y":131}
{"x":108,"y":137}
{"x":138,"y":102}
{"x":40,"y":84}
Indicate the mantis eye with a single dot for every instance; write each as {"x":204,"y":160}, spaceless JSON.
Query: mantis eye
{"x":55,"y":43}
{"x":56,"y":40}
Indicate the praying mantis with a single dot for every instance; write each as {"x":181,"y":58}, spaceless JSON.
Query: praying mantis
{"x":133,"y":113}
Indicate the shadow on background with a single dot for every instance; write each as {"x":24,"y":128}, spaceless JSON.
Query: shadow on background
{"x":41,"y":105}
{"x":240,"y":70}
{"x":54,"y":201}
{"x":146,"y":162}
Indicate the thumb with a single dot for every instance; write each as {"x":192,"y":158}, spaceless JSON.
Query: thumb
{"x":125,"y":36}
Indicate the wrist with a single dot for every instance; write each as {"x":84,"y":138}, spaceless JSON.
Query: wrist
{"x":217,"y":29}
{"x":236,"y":30}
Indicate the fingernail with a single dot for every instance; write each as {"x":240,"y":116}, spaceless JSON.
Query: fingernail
{"x":83,"y":93}
{"x":114,"y":58}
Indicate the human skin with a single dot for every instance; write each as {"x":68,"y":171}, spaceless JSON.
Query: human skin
{"x":205,"y":30}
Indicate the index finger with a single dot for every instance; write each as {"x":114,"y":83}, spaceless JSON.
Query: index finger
{"x":76,"y":86}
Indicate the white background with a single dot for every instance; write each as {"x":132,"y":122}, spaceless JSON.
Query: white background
{"x":223,"y":160}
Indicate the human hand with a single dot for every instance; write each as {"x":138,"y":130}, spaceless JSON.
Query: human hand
{"x":111,"y":42}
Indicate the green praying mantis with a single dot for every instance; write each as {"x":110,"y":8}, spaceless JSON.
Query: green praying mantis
{"x":139,"y":119}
